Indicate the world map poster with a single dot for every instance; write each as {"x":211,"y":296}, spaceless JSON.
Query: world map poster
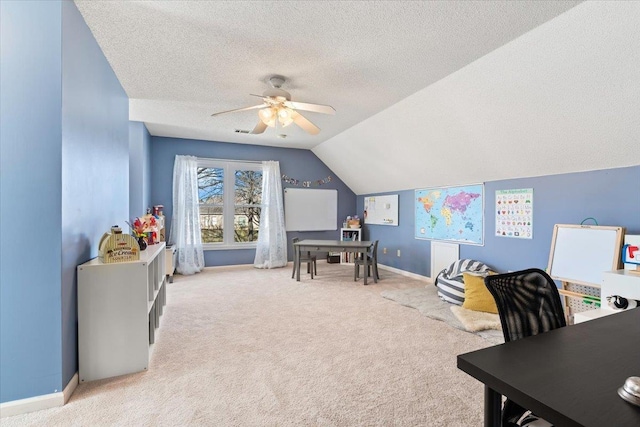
{"x":450,"y":213}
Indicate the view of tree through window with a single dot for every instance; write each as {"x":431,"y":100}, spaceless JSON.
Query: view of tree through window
{"x":241,"y":188}
{"x":211,"y":195}
{"x":248,"y":196}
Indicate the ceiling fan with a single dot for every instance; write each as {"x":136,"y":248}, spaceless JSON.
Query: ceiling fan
{"x":278,"y":109}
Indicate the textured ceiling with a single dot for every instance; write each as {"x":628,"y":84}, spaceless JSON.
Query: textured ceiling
{"x":562,"y":98}
{"x":180,"y":61}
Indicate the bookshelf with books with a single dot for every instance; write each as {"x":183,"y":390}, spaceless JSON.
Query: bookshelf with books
{"x":349,"y":235}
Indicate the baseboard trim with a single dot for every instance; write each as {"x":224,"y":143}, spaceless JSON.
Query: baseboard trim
{"x":240,"y":266}
{"x":406,"y":273}
{"x":381,"y":266}
{"x":233,"y":266}
{"x":31,"y":404}
{"x":70,"y":388}
{"x":38,"y":403}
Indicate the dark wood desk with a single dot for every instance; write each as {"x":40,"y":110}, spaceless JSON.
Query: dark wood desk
{"x":569,"y":376}
{"x":359,"y":247}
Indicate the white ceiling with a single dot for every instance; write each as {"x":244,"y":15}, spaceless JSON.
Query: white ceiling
{"x":180,"y":61}
{"x":564,"y":97}
{"x":426,"y":93}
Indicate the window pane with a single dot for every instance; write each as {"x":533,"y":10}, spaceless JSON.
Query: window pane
{"x":211,"y":224}
{"x":248,"y":189}
{"x":246,"y":223}
{"x":210,"y":185}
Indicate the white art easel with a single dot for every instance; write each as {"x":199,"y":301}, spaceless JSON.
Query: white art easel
{"x":578,"y":257}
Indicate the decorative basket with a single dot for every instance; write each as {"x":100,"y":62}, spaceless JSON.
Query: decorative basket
{"x":353,"y":223}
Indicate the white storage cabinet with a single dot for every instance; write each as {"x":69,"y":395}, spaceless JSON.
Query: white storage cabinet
{"x":170,"y":262}
{"x":625,"y":283}
{"x":119,"y":309}
{"x":617,"y":282}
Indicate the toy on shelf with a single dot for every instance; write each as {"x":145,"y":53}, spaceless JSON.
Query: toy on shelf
{"x":150,"y":227}
{"x":117,"y":247}
{"x":631,"y":255}
{"x":616,"y":302}
{"x":147,"y":226}
{"x":159,"y":215}
{"x":138,"y":230}
{"x":353,"y":222}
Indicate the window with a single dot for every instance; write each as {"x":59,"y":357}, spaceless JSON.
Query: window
{"x":230,"y":195}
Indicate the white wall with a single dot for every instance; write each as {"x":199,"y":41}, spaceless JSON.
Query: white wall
{"x":562,"y":98}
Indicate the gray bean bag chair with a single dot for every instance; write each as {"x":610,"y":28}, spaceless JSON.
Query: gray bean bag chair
{"x":450,"y":283}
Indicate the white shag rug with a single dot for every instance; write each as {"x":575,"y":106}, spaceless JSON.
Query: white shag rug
{"x":427,"y":302}
{"x":474,"y":321}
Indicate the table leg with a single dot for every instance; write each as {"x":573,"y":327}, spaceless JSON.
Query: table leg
{"x":297,"y":261}
{"x":365,"y":267}
{"x":492,"y":407}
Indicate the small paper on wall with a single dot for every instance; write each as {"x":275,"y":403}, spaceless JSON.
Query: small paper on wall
{"x":514,"y":213}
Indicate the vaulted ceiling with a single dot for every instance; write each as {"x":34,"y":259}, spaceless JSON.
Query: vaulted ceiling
{"x":426,"y":93}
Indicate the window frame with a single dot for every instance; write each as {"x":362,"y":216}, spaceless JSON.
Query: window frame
{"x":229,"y":168}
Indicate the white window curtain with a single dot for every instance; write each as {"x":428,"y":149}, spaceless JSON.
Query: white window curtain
{"x":185,"y":221}
{"x":271,"y":251}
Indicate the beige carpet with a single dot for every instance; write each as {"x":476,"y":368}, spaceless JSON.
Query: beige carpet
{"x":248,"y":347}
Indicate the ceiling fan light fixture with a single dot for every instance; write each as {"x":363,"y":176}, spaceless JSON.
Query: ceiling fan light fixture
{"x":278,"y":111}
{"x":268,"y":116}
{"x":285,"y":117}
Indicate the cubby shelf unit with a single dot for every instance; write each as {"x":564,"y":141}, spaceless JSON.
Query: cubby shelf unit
{"x":349,"y":235}
{"x":119,"y":309}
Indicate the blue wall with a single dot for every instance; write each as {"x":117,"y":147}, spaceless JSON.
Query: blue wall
{"x":611,"y":196}
{"x":64,"y":152}
{"x":95,"y":163}
{"x":30,"y":199}
{"x":139,"y":169}
{"x":64,"y":179}
{"x":299,"y":164}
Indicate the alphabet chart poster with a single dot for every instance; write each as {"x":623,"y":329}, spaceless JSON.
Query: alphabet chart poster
{"x":514,"y":213}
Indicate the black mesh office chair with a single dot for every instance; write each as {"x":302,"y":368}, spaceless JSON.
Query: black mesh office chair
{"x":368,"y":261}
{"x":528,"y":304}
{"x":308,"y":258}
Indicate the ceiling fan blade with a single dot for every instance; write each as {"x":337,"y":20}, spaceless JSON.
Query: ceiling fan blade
{"x":260,"y":128}
{"x":316,"y":108}
{"x":240,"y":109}
{"x":304,"y":123}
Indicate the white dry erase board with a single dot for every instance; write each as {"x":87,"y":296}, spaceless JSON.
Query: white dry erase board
{"x":381,"y":210}
{"x":581,"y":253}
{"x":308,"y":209}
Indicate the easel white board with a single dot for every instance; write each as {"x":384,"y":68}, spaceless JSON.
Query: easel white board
{"x":581,"y":253}
{"x":308,"y":209}
{"x":381,"y":210}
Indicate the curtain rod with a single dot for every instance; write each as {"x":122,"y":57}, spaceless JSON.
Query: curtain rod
{"x":259,"y":162}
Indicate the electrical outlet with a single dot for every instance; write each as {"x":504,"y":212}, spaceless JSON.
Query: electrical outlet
{"x":398,"y":252}
{"x":384,"y":251}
